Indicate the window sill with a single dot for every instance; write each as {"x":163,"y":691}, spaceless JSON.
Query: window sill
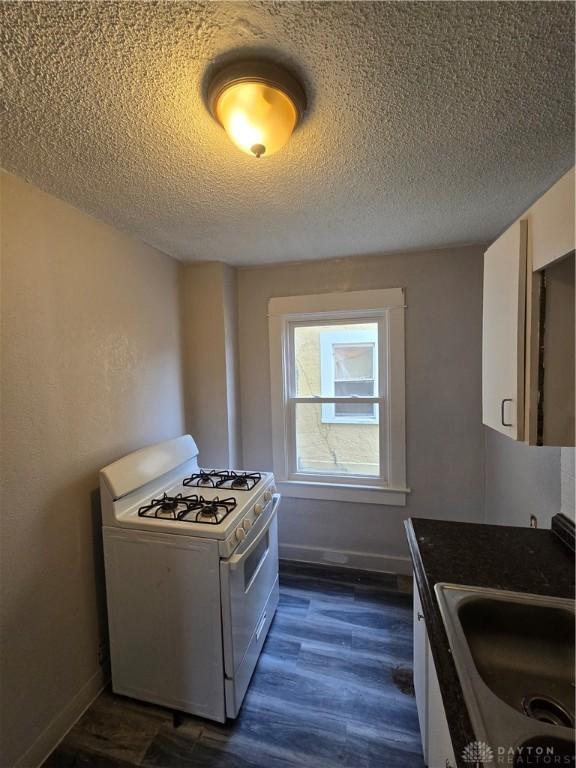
{"x":353,"y":422}
{"x":363,"y":494}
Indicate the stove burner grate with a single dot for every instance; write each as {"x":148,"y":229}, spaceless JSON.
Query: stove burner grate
{"x":208,"y":511}
{"x":179,"y":507}
{"x":223,"y":478}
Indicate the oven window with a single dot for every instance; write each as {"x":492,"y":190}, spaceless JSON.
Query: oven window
{"x":253,"y":562}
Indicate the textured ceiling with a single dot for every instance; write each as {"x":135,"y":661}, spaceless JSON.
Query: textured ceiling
{"x":428,"y":123}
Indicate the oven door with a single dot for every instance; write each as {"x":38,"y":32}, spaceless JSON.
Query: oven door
{"x":246,"y":581}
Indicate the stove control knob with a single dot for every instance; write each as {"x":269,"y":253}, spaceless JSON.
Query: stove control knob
{"x":267,"y":495}
{"x":240,"y":534}
{"x":258,"y":509}
{"x":247,"y":524}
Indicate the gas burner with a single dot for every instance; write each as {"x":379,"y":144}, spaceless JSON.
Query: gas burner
{"x":211,"y":511}
{"x":204,"y":477}
{"x":222,"y":478}
{"x":188,"y":509}
{"x":168,"y":507}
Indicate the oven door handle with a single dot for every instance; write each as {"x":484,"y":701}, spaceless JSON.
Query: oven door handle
{"x":236,"y":560}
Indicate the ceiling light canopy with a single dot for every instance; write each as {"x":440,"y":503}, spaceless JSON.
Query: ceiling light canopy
{"x":258,"y":103}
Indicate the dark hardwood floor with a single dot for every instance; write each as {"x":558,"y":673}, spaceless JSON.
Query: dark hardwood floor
{"x":333,"y":688}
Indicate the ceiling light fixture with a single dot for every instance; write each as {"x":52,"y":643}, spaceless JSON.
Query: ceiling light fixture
{"x":258,"y":103}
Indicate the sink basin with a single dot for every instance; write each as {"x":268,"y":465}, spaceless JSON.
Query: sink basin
{"x":514,"y":654}
{"x":540,"y":750}
{"x":524,"y":652}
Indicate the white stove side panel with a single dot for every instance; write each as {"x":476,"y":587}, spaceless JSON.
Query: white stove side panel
{"x":163,"y":594}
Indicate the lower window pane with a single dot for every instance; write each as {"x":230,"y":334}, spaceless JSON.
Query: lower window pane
{"x":359,"y":410}
{"x":329,"y":448}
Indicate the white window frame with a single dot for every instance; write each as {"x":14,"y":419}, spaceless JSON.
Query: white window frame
{"x":386,"y":307}
{"x":328,"y":340}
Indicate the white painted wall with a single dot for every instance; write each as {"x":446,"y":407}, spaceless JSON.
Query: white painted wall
{"x":90,"y":371}
{"x":230,"y":294}
{"x":520,"y":480}
{"x":209,"y":313}
{"x":445,"y":453}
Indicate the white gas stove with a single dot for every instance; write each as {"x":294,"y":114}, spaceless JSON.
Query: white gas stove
{"x":191,"y":576}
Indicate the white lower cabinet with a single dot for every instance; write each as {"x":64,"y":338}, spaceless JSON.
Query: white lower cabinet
{"x":436,"y":742}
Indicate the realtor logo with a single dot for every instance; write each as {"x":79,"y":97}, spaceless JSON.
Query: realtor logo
{"x":477,"y":753}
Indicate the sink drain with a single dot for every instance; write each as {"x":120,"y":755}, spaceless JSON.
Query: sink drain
{"x":547,"y":710}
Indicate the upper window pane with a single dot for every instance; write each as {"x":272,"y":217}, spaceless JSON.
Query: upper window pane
{"x":331,"y":352}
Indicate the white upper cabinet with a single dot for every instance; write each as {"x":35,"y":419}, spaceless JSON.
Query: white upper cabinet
{"x":550,"y":413}
{"x":528,"y":324}
{"x":503,"y":316}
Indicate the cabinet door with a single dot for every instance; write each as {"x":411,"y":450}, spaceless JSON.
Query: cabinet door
{"x":421,"y":670}
{"x":440,"y":750}
{"x":503,"y":332}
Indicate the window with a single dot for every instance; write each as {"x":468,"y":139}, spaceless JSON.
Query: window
{"x":337,"y":373}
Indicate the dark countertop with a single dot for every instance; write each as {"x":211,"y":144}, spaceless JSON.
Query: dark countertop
{"x":494,"y":556}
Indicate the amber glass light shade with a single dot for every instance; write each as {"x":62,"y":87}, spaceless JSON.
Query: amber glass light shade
{"x":258,"y":103}
{"x":257,"y":117}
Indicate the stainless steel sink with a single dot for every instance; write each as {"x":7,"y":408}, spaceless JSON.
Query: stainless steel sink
{"x":514,"y":654}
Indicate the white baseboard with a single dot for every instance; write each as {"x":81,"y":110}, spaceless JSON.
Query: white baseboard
{"x":53,"y":734}
{"x":364,"y":561}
